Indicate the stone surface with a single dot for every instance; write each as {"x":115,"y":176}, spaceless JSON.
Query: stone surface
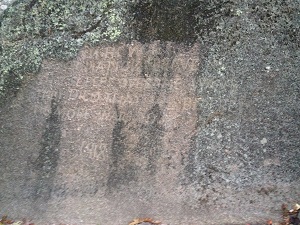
{"x":4,"y":5}
{"x":203,"y":133}
{"x":135,"y":130}
{"x":112,"y":128}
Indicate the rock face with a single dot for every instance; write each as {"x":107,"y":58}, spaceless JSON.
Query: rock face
{"x":137,"y":130}
{"x":192,"y":117}
{"x":112,"y":128}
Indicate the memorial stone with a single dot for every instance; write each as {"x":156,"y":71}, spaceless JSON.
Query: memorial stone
{"x":182,"y":111}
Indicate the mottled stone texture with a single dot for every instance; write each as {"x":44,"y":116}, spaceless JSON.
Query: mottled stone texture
{"x":111,"y":129}
{"x":143,"y":130}
{"x":196,"y":123}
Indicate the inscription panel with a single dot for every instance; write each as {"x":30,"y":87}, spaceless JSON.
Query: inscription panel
{"x":130,"y":107}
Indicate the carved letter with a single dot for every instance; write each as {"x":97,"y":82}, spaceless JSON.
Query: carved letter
{"x":95,"y":97}
{"x":99,"y":152}
{"x":111,"y":53}
{"x":110,"y":98}
{"x":70,"y":114}
{"x":83,"y":96}
{"x":73,"y":94}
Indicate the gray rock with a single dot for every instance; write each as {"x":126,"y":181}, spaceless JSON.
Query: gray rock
{"x":192,"y":118}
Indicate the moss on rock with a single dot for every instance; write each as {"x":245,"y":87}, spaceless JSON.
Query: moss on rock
{"x":32,"y":30}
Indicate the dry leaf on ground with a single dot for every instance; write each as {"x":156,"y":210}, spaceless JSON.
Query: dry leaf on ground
{"x":143,"y":220}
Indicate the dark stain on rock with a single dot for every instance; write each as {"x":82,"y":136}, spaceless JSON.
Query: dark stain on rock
{"x":124,"y":53}
{"x":149,"y":144}
{"x":47,"y":161}
{"x":266,"y":190}
{"x":159,"y":63}
{"x":122,"y":169}
{"x":189,"y":162}
{"x":190,"y":166}
{"x":164,"y":20}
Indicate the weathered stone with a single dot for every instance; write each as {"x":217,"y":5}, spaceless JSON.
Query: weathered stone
{"x":114,"y":124}
{"x":196,"y":134}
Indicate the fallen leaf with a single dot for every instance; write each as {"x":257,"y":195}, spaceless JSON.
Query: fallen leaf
{"x":17,"y":223}
{"x":5,"y":221}
{"x":143,"y":220}
{"x":296,"y":207}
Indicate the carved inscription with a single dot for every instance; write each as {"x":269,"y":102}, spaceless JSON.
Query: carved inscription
{"x":125,"y":106}
{"x":93,"y":150}
{"x":125,"y":76}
